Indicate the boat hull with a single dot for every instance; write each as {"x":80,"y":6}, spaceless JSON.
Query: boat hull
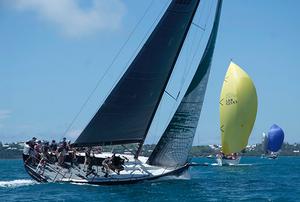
{"x":270,"y":156}
{"x":114,"y":179}
{"x":228,"y":162}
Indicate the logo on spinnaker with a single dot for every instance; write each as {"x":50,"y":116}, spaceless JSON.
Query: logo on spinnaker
{"x":231,"y":99}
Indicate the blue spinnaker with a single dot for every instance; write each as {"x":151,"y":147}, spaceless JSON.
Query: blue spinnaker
{"x":275,"y":138}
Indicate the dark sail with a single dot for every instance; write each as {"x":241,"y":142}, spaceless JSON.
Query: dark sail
{"x":176,"y":142}
{"x":127,"y":113}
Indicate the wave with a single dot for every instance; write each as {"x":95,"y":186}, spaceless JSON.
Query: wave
{"x":17,"y":183}
{"x":184,"y":176}
{"x":84,"y":184}
{"x":238,"y":165}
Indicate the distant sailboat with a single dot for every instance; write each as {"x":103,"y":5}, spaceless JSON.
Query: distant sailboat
{"x":238,"y":107}
{"x":273,"y":141}
{"x":129,"y":110}
{"x":264,"y":144}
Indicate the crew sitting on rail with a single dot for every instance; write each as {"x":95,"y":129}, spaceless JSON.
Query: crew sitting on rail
{"x":73,"y":157}
{"x":114,"y":163}
{"x":61,"y":153}
{"x":117,"y":164}
{"x":31,"y":152}
{"x":89,"y":162}
{"x":53,"y":146}
{"x":106,"y":165}
{"x":38,"y":149}
{"x":44,"y":157}
{"x":45,"y":150}
{"x":232,"y":156}
{"x":64,"y":140}
{"x":31,"y":142}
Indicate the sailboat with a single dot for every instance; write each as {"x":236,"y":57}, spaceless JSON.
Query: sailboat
{"x":238,"y":108}
{"x":272,"y":142}
{"x":264,"y":145}
{"x":129,"y":110}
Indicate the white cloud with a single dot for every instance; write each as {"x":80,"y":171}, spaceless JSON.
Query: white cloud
{"x":71,"y":18}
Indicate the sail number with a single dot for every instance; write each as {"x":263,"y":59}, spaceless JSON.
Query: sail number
{"x":231,"y":101}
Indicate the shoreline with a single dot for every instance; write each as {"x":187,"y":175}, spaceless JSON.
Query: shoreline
{"x":20,"y":158}
{"x":15,"y":150}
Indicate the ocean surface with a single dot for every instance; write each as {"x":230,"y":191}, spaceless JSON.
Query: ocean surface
{"x":255,"y":180}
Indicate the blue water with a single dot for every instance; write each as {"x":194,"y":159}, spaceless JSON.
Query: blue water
{"x":257,"y":180}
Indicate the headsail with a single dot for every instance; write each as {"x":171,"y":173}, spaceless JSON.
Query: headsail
{"x":126,"y":114}
{"x":238,"y":107}
{"x":275,"y":138}
{"x":176,"y":142}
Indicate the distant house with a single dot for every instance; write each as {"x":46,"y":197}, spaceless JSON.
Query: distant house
{"x":12,"y":148}
{"x":215,"y":147}
{"x":21,"y":144}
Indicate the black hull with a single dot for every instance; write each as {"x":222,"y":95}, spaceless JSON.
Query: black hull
{"x":36,"y":176}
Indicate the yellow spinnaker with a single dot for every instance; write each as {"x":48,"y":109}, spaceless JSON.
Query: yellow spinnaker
{"x":238,"y":107}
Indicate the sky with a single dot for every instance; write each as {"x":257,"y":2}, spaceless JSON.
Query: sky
{"x":54,"y":53}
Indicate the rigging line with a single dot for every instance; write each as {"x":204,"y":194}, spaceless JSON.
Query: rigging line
{"x":135,"y":53}
{"x":168,"y":121}
{"x":191,"y":63}
{"x":187,"y":70}
{"x":182,"y":82}
{"x":208,"y":16}
{"x":172,"y":95}
{"x":196,"y":25}
{"x":190,"y":41}
{"x":156,"y":135}
{"x":199,"y":43}
{"x":185,"y":55}
{"x":128,"y":149}
{"x":111,"y":64}
{"x":139,"y":45}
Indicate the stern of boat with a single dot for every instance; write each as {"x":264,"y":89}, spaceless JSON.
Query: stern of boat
{"x":228,"y":162}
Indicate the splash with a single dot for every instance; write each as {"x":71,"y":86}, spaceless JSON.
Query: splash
{"x":16,"y":183}
{"x":84,"y":184}
{"x":238,"y":165}
{"x":184,"y":176}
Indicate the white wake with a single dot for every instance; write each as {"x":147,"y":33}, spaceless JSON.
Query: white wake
{"x":238,"y":165}
{"x":16,"y":183}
